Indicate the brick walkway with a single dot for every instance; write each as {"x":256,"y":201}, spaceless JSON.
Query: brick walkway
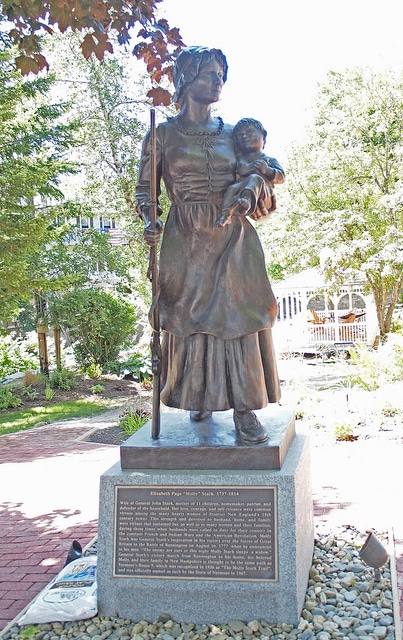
{"x":49,"y":483}
{"x":49,"y":486}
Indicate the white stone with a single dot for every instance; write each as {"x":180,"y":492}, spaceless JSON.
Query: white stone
{"x":348,"y":580}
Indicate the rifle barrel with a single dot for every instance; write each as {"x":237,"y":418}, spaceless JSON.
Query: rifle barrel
{"x":153,"y":274}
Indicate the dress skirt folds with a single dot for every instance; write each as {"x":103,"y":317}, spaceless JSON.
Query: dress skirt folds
{"x":217,"y":310}
{"x":202,"y":372}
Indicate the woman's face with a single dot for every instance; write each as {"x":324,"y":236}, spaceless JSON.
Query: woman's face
{"x":206,"y":87}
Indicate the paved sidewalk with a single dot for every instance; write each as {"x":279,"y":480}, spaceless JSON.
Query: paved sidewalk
{"x":49,"y":486}
{"x":49,"y":483}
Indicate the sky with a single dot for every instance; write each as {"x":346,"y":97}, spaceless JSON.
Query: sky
{"x":278,"y":52}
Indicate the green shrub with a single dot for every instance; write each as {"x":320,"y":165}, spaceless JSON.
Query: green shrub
{"x":344,"y":432}
{"x":94,"y":370}
{"x":49,"y":393}
{"x":132,"y":420}
{"x":139,"y":366}
{"x":390,"y":411}
{"x":369,"y":369}
{"x":396,"y":326}
{"x":29,"y":392}
{"x":98,"y":324}
{"x":112,"y":366}
{"x":98,"y":388}
{"x":8,"y":399}
{"x":63,"y":380}
{"x":15,"y":357}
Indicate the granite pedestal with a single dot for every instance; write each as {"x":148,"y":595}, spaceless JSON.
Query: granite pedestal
{"x":208,"y":545}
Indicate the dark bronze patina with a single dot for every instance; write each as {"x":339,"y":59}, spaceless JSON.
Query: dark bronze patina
{"x":153,"y":277}
{"x":216,"y":305}
{"x":211,"y":443}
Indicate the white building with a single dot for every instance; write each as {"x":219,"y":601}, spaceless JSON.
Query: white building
{"x":311,"y":316}
{"x":102,"y":223}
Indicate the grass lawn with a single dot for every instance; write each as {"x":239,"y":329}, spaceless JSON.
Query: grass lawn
{"x":23,"y":419}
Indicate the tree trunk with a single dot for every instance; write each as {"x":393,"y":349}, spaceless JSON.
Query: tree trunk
{"x":58,"y":347}
{"x":40,"y":304}
{"x":385,"y":301}
{"x":43,"y":350}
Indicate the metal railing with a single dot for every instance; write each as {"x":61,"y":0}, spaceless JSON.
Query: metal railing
{"x":331,"y":332}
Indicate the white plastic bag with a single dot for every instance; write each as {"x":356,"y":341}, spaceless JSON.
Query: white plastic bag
{"x":72,"y":595}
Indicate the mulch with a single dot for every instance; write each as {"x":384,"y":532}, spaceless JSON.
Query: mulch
{"x":109,"y":435}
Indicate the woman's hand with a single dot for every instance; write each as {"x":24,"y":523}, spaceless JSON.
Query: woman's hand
{"x":152,"y":236}
{"x":260,"y":212}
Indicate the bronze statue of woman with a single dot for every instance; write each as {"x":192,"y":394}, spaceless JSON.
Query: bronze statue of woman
{"x":216,"y":305}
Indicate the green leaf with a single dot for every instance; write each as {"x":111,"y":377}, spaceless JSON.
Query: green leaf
{"x":29,"y":632}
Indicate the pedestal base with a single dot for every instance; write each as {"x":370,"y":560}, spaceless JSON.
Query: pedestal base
{"x":173,"y":542}
{"x":209,"y":444}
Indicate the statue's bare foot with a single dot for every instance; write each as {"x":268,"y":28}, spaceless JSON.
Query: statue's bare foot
{"x":249,"y":428}
{"x":200,"y":415}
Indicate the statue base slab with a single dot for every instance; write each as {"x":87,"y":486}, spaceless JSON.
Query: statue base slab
{"x":209,"y":444}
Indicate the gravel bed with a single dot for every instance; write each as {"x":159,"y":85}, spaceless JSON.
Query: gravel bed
{"x":343,"y":600}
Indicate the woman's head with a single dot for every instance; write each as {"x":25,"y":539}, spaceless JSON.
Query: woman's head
{"x":188,"y":65}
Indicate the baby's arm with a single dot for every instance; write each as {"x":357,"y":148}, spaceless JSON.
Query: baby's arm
{"x":270,"y":169}
{"x":266,"y":167}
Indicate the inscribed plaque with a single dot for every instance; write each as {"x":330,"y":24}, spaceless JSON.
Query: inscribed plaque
{"x":196,"y":532}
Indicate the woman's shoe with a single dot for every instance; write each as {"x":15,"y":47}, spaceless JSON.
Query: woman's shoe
{"x":200,"y":415}
{"x":249,"y":428}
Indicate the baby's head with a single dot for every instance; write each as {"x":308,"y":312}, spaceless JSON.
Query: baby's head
{"x":249,"y":135}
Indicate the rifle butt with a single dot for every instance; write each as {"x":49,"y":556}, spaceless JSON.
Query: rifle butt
{"x":156,"y":415}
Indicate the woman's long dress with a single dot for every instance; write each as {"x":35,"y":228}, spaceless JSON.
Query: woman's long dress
{"x":216,"y":304}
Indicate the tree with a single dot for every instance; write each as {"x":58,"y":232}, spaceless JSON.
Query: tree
{"x":98,"y":324}
{"x":36,"y":257}
{"x":33,"y":143}
{"x":98,"y":22}
{"x":108,"y":100}
{"x":346,"y":186}
{"x":36,"y":135}
{"x":114,"y":135}
{"x":112,"y":139}
{"x":62,"y":266}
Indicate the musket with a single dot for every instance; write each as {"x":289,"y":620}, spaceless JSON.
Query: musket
{"x":153,"y":277}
